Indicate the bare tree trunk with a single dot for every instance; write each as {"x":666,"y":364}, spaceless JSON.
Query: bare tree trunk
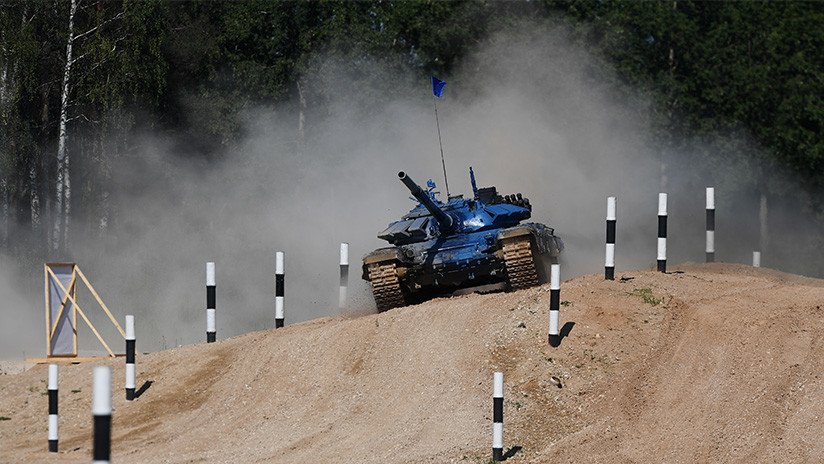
{"x":106,"y":151}
{"x":671,"y":62}
{"x":4,"y":234}
{"x":63,"y":186}
{"x":45,"y":232}
{"x":4,"y":230}
{"x":67,"y":190}
{"x":4,"y":86}
{"x":301,"y":118}
{"x":103,"y":225}
{"x":34,"y":197}
{"x":764,"y":237}
{"x":6,"y":97}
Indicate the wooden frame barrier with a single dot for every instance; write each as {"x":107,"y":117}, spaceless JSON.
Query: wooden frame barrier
{"x":67,"y":293}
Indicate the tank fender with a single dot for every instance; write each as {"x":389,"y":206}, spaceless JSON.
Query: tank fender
{"x":542,"y":236}
{"x":514,"y":232}
{"x":378,"y":256}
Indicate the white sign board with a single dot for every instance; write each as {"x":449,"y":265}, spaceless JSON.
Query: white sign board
{"x":62,"y":342}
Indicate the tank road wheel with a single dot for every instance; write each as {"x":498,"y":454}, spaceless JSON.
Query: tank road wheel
{"x":386,"y":285}
{"x":520,"y":263}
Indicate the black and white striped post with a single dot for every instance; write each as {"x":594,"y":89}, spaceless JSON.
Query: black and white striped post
{"x":344,"y":274}
{"x":279,"y":284}
{"x":130,"y":364}
{"x":53,"y":408}
{"x":662,"y":232}
{"x":102,"y":415}
{"x":498,"y":416}
{"x":710,"y":249}
{"x":609,"y":261}
{"x":211,"y":297}
{"x":554,"y":305}
{"x":756,"y":259}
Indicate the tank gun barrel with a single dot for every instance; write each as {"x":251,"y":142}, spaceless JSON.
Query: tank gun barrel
{"x":445,"y":221}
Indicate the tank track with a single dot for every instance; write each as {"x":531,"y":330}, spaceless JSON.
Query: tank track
{"x":520,"y":264}
{"x":386,"y":286}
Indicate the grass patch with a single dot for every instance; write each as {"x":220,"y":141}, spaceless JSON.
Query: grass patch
{"x":604,"y":359}
{"x":3,"y":418}
{"x":515,"y":404}
{"x":76,"y":391}
{"x":647,"y":296}
{"x":566,"y":303}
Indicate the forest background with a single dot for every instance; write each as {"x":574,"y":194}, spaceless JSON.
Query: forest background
{"x":82,"y":80}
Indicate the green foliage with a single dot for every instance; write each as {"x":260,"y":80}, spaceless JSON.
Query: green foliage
{"x":722,"y":68}
{"x":714,"y":71}
{"x":647,"y":296}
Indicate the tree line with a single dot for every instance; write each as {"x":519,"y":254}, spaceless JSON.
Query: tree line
{"x":79,"y":78}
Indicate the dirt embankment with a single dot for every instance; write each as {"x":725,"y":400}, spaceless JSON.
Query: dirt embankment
{"x":717,"y":363}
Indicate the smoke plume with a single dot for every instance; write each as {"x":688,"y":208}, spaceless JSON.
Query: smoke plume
{"x":531,"y":111}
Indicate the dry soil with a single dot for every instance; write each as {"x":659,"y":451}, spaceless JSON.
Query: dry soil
{"x":717,"y":362}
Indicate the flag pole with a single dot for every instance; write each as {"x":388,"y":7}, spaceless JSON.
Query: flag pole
{"x":440,"y":143}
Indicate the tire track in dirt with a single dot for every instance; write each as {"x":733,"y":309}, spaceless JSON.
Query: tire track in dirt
{"x":727,"y":368}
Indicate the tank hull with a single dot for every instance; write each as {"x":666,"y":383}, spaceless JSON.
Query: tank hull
{"x":444,"y":265}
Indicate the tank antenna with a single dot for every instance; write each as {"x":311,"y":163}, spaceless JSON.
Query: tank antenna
{"x":474,"y":185}
{"x":437,"y":92}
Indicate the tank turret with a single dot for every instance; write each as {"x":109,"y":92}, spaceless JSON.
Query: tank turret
{"x":445,"y":221}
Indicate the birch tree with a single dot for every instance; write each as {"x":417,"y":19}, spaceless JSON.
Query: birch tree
{"x":7,"y":71}
{"x":63,"y":183}
{"x":62,"y":209}
{"x":4,"y":193}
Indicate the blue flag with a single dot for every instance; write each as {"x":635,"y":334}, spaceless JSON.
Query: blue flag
{"x":437,"y":87}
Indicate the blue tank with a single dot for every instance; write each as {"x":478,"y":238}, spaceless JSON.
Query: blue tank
{"x":439,"y":247}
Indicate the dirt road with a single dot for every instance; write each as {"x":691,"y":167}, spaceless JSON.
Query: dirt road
{"x":716,"y":363}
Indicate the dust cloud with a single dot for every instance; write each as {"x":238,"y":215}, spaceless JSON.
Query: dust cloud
{"x":22,"y":332}
{"x":531,"y":112}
